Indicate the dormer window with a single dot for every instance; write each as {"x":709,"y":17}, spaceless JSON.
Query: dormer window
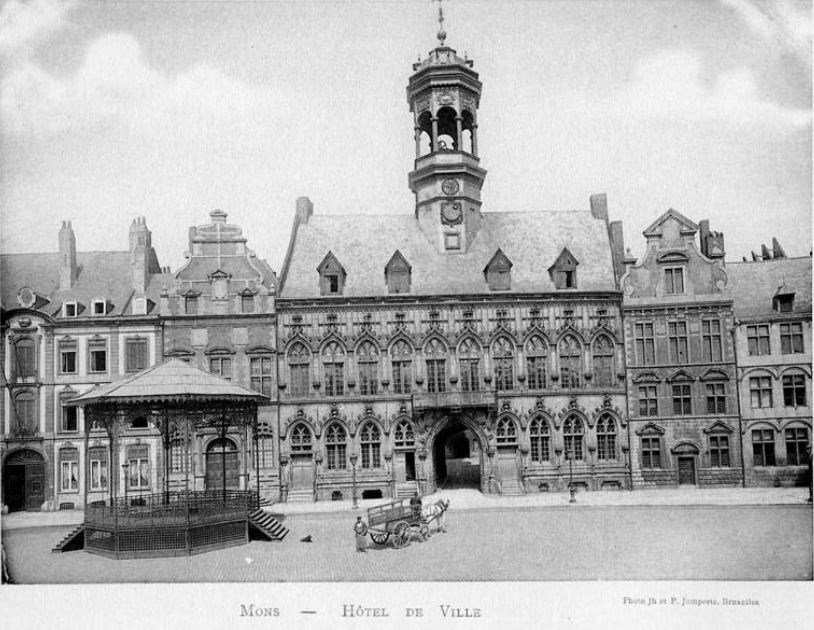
{"x":498,"y":272}
{"x":70,"y":309}
{"x":563,"y":272}
{"x":331,"y":276}
{"x":397,"y":274}
{"x":191,"y":305}
{"x":674,"y":280}
{"x":139,"y":306}
{"x":99,"y":307}
{"x":783,"y":303}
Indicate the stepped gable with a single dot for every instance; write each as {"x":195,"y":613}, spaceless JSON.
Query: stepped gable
{"x":531,"y":240}
{"x":754,"y":284}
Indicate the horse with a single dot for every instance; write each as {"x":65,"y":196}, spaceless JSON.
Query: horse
{"x":436,"y":511}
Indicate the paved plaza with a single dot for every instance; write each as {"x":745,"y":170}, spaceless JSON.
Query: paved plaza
{"x":490,"y":539}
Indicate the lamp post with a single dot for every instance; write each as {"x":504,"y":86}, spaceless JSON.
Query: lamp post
{"x":353,"y":458}
{"x":125,"y":467}
{"x":573,"y":498}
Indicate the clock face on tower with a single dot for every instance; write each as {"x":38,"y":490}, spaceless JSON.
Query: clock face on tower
{"x":449,"y":186}
{"x":451,"y":213}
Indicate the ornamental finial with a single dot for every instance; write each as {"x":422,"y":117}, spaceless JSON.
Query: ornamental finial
{"x":442,"y":34}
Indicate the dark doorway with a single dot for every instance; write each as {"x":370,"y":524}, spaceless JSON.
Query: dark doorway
{"x":24,"y":481}
{"x":222,"y":461}
{"x":457,"y":457}
{"x":686,"y":471}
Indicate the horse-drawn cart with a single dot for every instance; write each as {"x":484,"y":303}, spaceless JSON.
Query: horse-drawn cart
{"x":393,"y":522}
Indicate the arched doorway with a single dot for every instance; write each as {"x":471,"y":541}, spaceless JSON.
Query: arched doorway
{"x":24,"y":481}
{"x":222,"y":463}
{"x":457,"y":457}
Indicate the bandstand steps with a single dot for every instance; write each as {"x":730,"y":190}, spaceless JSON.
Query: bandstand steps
{"x":266,"y":525}
{"x":74,"y":540}
{"x":265,"y":502}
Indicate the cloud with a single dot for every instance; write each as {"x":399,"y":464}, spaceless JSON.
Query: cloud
{"x":669,"y":85}
{"x":784,"y":21}
{"x":24,"y":24}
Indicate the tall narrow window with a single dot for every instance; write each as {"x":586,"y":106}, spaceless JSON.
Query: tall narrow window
{"x":763,"y":447}
{"x":711,"y":340}
{"x":367,"y":358}
{"x":503,"y":351}
{"x":651,"y":451}
{"x":536,"y":360}
{"x":682,"y":400}
{"x":136,"y":354}
{"x":191,"y":305}
{"x":25,"y":412}
{"x":336,"y":448}
{"x":67,"y":356}
{"x":605,"y":438}
{"x":260,"y":374}
{"x":221,"y":366}
{"x":265,"y":445}
{"x":97,"y":459}
{"x":301,"y":442}
{"x":645,"y":343}
{"x":70,"y":415}
{"x":299,"y":369}
{"x":540,"y":436}
{"x":797,"y":446}
{"x":674,"y":280}
{"x":719,"y":450}
{"x":333,"y":366}
{"x":760,"y":392}
{"x":716,"y":398}
{"x":757,"y":337}
{"x":573,"y":438}
{"x":25,"y":358}
{"x":794,"y":390}
{"x":401,"y":362}
{"x":247,"y":303}
{"x":176,"y":454}
{"x":371,"y":446}
{"x":69,"y":469}
{"x":677,"y":337}
{"x":138,"y":470}
{"x":469,"y":365}
{"x":570,"y":363}
{"x":648,"y":400}
{"x":791,"y":338}
{"x":604,"y":362}
{"x":97,"y":356}
{"x":436,"y":361}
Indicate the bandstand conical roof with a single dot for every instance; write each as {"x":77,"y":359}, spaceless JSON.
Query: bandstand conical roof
{"x":173,"y":381}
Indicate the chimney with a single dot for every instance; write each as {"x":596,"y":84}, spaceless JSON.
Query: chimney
{"x":712,"y":243}
{"x":764,"y":251}
{"x":140,"y":248}
{"x":599,"y":206}
{"x":777,"y":250}
{"x":305,"y":210}
{"x":67,"y":257}
{"x":617,"y":242}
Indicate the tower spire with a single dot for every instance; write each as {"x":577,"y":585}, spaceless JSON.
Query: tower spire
{"x":442,"y":34}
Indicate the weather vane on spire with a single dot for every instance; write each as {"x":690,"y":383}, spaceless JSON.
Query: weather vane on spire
{"x":442,"y":34}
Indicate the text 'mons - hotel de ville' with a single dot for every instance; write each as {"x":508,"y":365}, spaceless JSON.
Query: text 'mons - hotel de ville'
{"x":452,"y":345}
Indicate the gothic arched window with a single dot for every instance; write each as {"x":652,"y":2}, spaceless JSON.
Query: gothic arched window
{"x":536,"y":360}
{"x":540,"y":435}
{"x":404,"y":435}
{"x":506,"y":432}
{"x":602,"y":353}
{"x":570,"y":363}
{"x":299,"y":369}
{"x":435,"y":355}
{"x":503,"y":352}
{"x":301,"y":441}
{"x":401,"y":357}
{"x":606,"y":438}
{"x":367,"y":357}
{"x":333,"y":365}
{"x":573,"y":438}
{"x":336,"y":447}
{"x":371,"y":442}
{"x":469,"y":365}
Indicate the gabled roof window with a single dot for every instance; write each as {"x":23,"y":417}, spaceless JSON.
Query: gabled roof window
{"x":332,"y":276}
{"x":99,"y":307}
{"x":398,"y":274}
{"x":70,"y":309}
{"x":498,"y":272}
{"x":564,"y":270}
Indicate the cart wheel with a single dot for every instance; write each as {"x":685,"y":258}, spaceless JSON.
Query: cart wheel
{"x":401,"y":534}
{"x":379,"y":539}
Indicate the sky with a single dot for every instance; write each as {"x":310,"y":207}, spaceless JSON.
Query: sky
{"x":168,"y":110}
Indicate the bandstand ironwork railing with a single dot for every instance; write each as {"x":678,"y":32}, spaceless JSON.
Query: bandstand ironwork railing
{"x":178,"y":520}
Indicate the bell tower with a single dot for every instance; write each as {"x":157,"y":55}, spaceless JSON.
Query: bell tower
{"x":444,"y":93}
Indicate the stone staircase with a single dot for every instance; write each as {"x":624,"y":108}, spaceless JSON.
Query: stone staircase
{"x":406,"y":489}
{"x":264,"y":525}
{"x":300,"y":496}
{"x":75,"y":539}
{"x":511,"y":487}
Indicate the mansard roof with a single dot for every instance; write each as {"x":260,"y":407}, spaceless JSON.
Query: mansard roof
{"x":101,"y":275}
{"x":754,"y":284}
{"x":365,"y":243}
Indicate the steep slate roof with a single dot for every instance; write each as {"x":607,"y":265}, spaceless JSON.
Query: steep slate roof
{"x":105,"y":275}
{"x":754,"y":284}
{"x":531,"y":240}
{"x":169,"y":381}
